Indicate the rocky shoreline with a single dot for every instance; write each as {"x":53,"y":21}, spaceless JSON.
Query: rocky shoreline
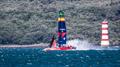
{"x":24,"y":46}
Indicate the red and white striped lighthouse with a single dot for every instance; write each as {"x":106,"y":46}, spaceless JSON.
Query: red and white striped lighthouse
{"x":105,"y":34}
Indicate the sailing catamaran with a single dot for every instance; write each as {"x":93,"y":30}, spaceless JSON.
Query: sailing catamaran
{"x":61,"y":43}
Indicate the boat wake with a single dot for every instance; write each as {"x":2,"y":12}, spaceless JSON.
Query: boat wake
{"x":85,"y":45}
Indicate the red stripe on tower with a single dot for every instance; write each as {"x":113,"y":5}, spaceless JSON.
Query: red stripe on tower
{"x":105,"y":39}
{"x":104,"y":28}
{"x":105,"y":35}
{"x":104,"y":23}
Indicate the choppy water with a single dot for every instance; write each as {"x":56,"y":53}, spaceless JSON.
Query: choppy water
{"x":35,"y":57}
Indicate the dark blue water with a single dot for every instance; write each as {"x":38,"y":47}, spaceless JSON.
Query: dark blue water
{"x":35,"y":57}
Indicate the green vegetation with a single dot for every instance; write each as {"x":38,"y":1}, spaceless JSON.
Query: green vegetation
{"x":34,"y":21}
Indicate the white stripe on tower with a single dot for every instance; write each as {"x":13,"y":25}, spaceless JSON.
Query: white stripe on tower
{"x":104,"y":36}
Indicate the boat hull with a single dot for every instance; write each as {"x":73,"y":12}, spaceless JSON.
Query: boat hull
{"x":59,"y":48}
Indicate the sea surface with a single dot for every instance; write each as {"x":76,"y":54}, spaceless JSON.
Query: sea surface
{"x":35,"y":57}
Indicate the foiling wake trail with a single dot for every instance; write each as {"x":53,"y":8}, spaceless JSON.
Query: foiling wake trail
{"x":85,"y":45}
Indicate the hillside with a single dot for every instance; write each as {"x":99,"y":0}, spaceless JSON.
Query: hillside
{"x":34,"y":21}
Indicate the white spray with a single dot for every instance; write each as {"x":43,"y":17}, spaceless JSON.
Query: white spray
{"x":85,"y":45}
{"x":80,"y":45}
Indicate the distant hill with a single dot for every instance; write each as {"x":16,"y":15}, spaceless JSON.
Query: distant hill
{"x":34,"y":21}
